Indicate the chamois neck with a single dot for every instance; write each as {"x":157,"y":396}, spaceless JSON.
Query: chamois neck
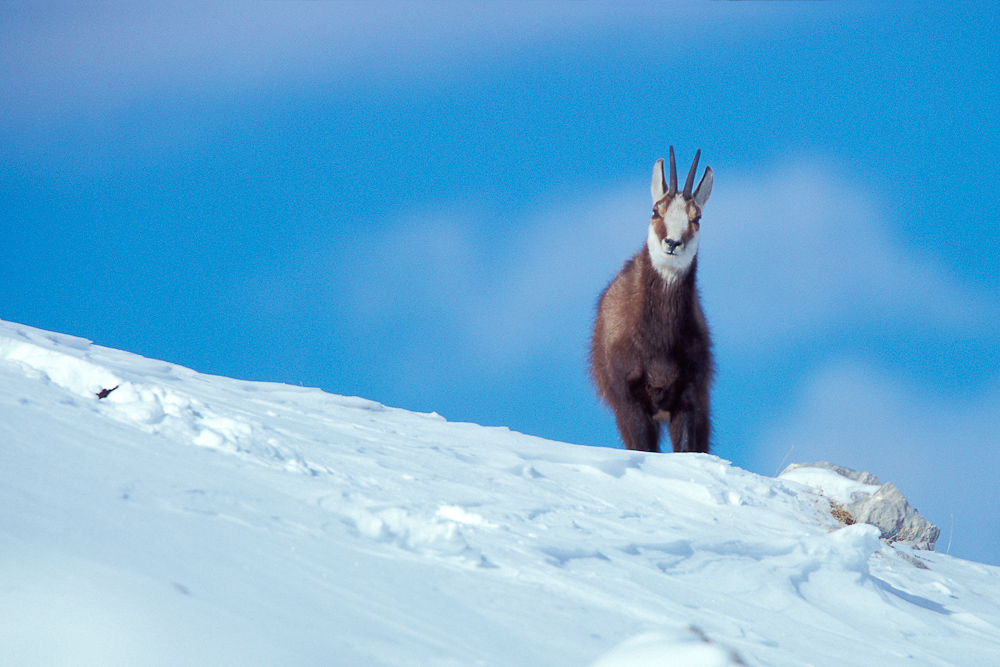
{"x":670,"y":274}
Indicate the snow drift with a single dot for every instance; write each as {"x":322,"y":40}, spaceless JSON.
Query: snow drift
{"x":198,"y":520}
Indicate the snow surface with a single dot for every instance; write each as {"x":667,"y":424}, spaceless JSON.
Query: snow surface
{"x":834,"y":486}
{"x":187,"y":519}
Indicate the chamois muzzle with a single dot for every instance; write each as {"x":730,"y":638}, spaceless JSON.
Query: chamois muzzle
{"x":671,"y":246}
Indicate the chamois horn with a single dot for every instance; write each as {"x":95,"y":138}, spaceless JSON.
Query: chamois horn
{"x":690,"y":180}
{"x":673,"y":175}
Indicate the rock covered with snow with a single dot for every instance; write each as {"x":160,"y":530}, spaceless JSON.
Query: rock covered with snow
{"x":860,"y":497}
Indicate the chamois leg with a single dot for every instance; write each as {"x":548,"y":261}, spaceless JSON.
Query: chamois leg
{"x":639,"y":431}
{"x":689,"y":430}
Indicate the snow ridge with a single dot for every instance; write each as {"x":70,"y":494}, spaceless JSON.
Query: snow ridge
{"x":265,"y":524}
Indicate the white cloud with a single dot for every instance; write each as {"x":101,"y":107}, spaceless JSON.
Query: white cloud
{"x":80,"y":56}
{"x":557,"y":268}
{"x":109,"y":54}
{"x":499,"y":292}
{"x":796,"y":250}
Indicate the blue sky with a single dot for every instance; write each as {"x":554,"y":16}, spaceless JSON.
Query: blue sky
{"x":419,"y":203}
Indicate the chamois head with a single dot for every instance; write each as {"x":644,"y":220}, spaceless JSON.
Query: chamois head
{"x":673,"y":231}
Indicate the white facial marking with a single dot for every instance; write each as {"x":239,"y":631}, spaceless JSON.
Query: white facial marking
{"x":670,"y":255}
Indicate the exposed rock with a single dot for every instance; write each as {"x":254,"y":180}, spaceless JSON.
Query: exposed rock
{"x":886,"y":508}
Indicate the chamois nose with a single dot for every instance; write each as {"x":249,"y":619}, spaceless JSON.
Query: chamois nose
{"x":671,"y":245}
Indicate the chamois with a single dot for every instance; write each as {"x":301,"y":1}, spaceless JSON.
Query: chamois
{"x":651,"y":356}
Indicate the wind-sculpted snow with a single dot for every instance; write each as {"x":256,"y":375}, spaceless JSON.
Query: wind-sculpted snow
{"x":189,"y":519}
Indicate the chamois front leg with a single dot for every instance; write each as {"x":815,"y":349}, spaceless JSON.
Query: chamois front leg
{"x":689,"y":425}
{"x":639,"y":431}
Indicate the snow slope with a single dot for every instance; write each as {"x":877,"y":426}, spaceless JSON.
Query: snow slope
{"x":195,"y":520}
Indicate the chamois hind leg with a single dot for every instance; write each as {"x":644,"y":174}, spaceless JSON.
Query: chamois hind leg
{"x":639,"y":431}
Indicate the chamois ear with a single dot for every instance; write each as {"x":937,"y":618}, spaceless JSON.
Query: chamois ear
{"x":704,"y":188}
{"x":659,"y":186}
